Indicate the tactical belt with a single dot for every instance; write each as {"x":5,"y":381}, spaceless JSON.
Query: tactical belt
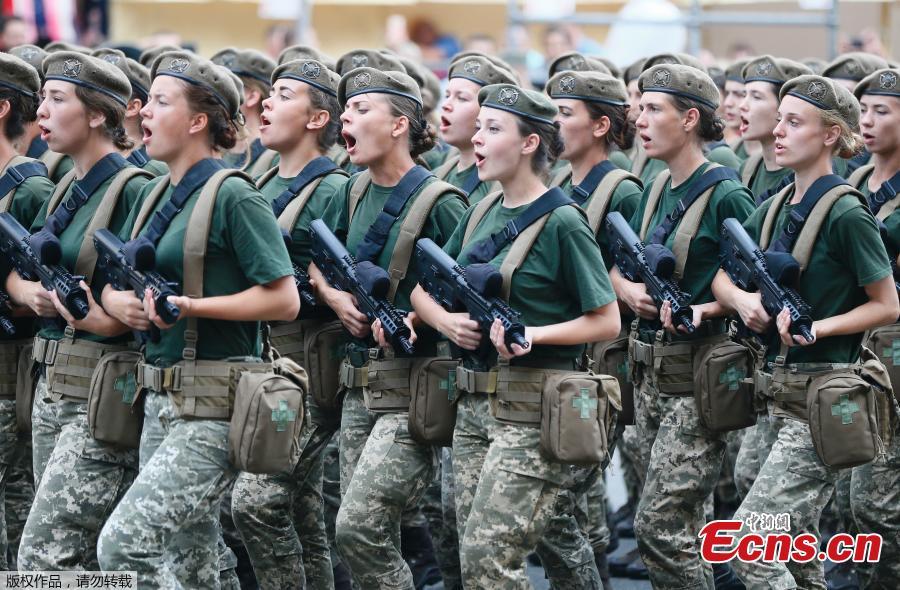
{"x":287,"y":337}
{"x":70,"y":363}
{"x":470,"y":381}
{"x":9,"y":366}
{"x":792,"y":379}
{"x":672,"y":362}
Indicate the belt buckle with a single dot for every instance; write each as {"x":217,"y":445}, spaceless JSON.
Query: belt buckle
{"x":465,"y":379}
{"x":50,"y":351}
{"x":346,"y":374}
{"x":172,"y":378}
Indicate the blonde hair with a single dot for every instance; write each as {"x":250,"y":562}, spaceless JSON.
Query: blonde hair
{"x":850,"y":141}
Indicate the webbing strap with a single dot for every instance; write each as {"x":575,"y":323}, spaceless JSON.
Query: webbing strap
{"x":60,"y":218}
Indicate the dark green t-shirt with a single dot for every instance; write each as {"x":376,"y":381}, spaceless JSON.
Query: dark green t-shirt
{"x":892,"y":222}
{"x":439,"y":225}
{"x":741,"y":151}
{"x":457,"y":178}
{"x":720,"y":155}
{"x":245,"y":248}
{"x":63,"y":168}
{"x":72,"y":237}
{"x":156,"y":167}
{"x":765,"y":179}
{"x":848,"y":254}
{"x":729,"y":199}
{"x":562,"y":277}
{"x":620,"y":159}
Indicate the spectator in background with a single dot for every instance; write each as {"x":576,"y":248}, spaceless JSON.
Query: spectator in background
{"x":278,"y":38}
{"x":481,"y":42}
{"x":396,"y":38}
{"x":867,"y":40}
{"x":436,"y":48}
{"x":557,"y":41}
{"x":583,"y":43}
{"x":14,"y":31}
{"x":741,"y":50}
{"x":528,"y":63}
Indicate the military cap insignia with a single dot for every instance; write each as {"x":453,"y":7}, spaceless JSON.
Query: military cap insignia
{"x":362,"y":79}
{"x":576,"y":61}
{"x":311,"y":69}
{"x":764,"y":68}
{"x":662,"y":77}
{"x":567,"y":84}
{"x":111,"y":58}
{"x":852,"y":68}
{"x":228,"y":60}
{"x":359,"y":61}
{"x":28,"y":54}
{"x":508,"y":96}
{"x":472,"y":67}
{"x":179,"y":65}
{"x":887,"y":80}
{"x":72,"y":68}
{"x":816,"y":90}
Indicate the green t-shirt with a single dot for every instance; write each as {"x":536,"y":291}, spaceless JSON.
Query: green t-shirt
{"x":436,"y":155}
{"x":892,"y":222}
{"x":457,"y":178}
{"x":848,"y":254}
{"x":741,"y":151}
{"x":156,"y":167}
{"x":72,"y":237}
{"x":729,"y":199}
{"x":620,"y":159}
{"x":439,"y":225}
{"x":245,"y":160}
{"x":245,"y":248}
{"x":314,"y":209}
{"x":765,"y":179}
{"x":625,"y":200}
{"x":721,"y":154}
{"x":562,"y":277}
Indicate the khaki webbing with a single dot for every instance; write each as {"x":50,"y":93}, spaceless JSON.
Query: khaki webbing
{"x":751,"y":166}
{"x":60,"y":191}
{"x":860,"y":174}
{"x":7,"y":199}
{"x":656,"y":191}
{"x":481,"y":209}
{"x":444,"y":170}
{"x":149,"y":204}
{"x":639,"y":162}
{"x":262,"y":163}
{"x":563,"y":174}
{"x":471,"y":381}
{"x":52,"y":160}
{"x":359,"y":188}
{"x":603,"y":194}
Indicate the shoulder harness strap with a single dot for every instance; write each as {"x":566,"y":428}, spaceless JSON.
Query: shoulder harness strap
{"x":481,"y":209}
{"x":359,"y":188}
{"x":149,"y":204}
{"x":603,"y":194}
{"x":751,"y":166}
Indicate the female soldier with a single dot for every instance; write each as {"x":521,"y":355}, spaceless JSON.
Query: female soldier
{"x":383,"y":470}
{"x":165,"y":528}
{"x":506,"y":490}
{"x":81,"y":116}
{"x":849,"y":287}
{"x":467,"y":76}
{"x":874,"y":486}
{"x":678,"y":105}
{"x":733,"y":93}
{"x":280,"y":517}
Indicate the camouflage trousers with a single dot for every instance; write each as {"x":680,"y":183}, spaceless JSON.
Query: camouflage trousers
{"x":383,"y":472}
{"x":16,"y":488}
{"x":281,"y":518}
{"x":166,"y":528}
{"x":331,"y":491}
{"x":82,"y":482}
{"x":875,"y":499}
{"x":755,"y":448}
{"x":684,"y":460}
{"x":591,"y":509}
{"x":634,"y":470}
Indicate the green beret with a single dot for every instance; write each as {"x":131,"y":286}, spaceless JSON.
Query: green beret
{"x":735,"y":72}
{"x":576,"y":62}
{"x":57,"y":46}
{"x":854,"y":66}
{"x":590,"y":86}
{"x":614,"y":70}
{"x":366,"y":80}
{"x":32,"y":54}
{"x":248,"y":63}
{"x":225,"y":86}
{"x":633,"y":72}
{"x":673,"y":58}
{"x":718,"y":76}
{"x":884,"y":82}
{"x":500,"y":63}
{"x":530,"y":104}
{"x":17,"y":74}
{"x":775,"y":70}
{"x":306,"y":53}
{"x":815,"y":64}
{"x":368,"y":58}
{"x":680,"y":80}
{"x":310,"y":71}
{"x":148,"y":56}
{"x":138,"y":75}
{"x":428,"y":83}
{"x":825,"y":94}
{"x":88,"y":72}
{"x":480,"y":70}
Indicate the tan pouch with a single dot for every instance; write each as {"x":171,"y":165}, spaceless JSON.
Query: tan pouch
{"x":611,"y":358}
{"x":388,"y":388}
{"x":518,"y":396}
{"x":723,"y":388}
{"x":578,"y":415}
{"x":264,"y":434}
{"x":432,"y":406}
{"x":885,"y":343}
{"x":25,"y":382}
{"x":115,"y":414}
{"x":323,"y":350}
{"x":843,"y":418}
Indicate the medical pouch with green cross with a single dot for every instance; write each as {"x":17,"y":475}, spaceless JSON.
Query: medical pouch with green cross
{"x":610,"y":357}
{"x":433,"y":395}
{"x":115,"y":408}
{"x":268,"y":417}
{"x":843,"y":418}
{"x":578,"y":415}
{"x":885,"y":343}
{"x":723,"y":386}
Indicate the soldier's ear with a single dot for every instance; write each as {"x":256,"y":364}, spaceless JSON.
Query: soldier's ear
{"x":530,"y":143}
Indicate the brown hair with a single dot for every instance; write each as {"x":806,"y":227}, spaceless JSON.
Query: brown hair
{"x":112,"y":110}
{"x":321,"y":100}
{"x":23,"y":109}
{"x":422,"y":135}
{"x":223,"y":130}
{"x":621,"y":129}
{"x":849,"y":143}
{"x":711,"y":126}
{"x":550,"y":146}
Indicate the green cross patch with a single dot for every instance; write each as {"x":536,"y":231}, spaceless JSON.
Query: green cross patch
{"x":127,"y":386}
{"x":844,"y":408}
{"x":732,"y":376}
{"x":584,"y":403}
{"x":282,"y":416}
{"x":893,"y":352}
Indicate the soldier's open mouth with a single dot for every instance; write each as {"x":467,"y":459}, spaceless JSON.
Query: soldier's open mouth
{"x":479,"y":159}
{"x":349,"y":140}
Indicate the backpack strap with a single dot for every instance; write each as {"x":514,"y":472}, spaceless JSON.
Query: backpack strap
{"x":288,"y":218}
{"x":52,"y":160}
{"x":87,"y":254}
{"x":806,"y":240}
{"x":481,"y":209}
{"x":359,"y":188}
{"x":640,"y":161}
{"x":411,"y":228}
{"x":444,"y":170}
{"x":860,"y":174}
{"x":768,"y":226}
{"x":60,"y":191}
{"x":602,"y":197}
{"x":656,"y":191}
{"x":263,"y":163}
{"x":687,"y":230}
{"x":338,"y":154}
{"x":564,"y":173}
{"x":195,"y":244}
{"x":266,"y":177}
{"x":751,"y":166}
{"x":149,"y":204}
{"x":17,"y":171}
